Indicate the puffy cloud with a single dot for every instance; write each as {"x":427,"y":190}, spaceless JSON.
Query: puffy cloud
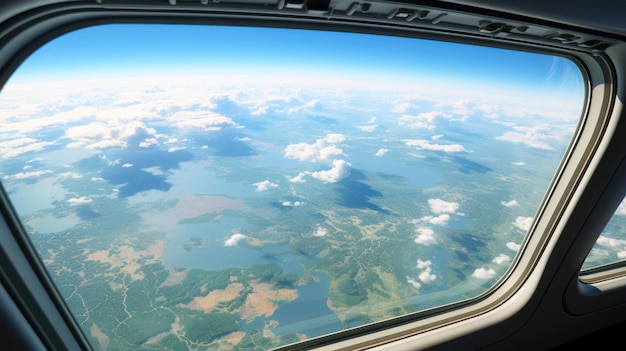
{"x":320,"y":231}
{"x":311,"y":152}
{"x":502,"y":258}
{"x":511,"y":203}
{"x":523,"y":223}
{"x":381,"y":152}
{"x":322,"y":150}
{"x":299,"y":178}
{"x":148,"y":142}
{"x":426,"y":276}
{"x":79,"y":201}
{"x":513,"y":246}
{"x":441,"y":206}
{"x":423,"y":264}
{"x":425,"y":236}
{"x":369,"y":128}
{"x":127,"y":165}
{"x":483,"y":273}
{"x":265,"y":185}
{"x":339,"y":171}
{"x":534,"y":137}
{"x":98,"y":135}
{"x":424,"y":120}
{"x":426,"y":145}
{"x":413,"y":282}
{"x":439,"y":220}
{"x":234,"y":239}
{"x":605,"y":241}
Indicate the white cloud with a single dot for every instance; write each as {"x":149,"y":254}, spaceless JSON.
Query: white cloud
{"x":523,"y":223}
{"x":502,"y":258}
{"x":413,"y":282}
{"x":483,"y":273}
{"x":441,"y":206}
{"x":265,"y":185}
{"x":511,"y":203}
{"x":519,"y":163}
{"x":424,"y":120}
{"x":311,"y":152}
{"x":26,"y":175}
{"x":426,"y":276}
{"x":335,"y":138}
{"x":127,"y":165}
{"x":339,"y":171}
{"x":148,"y":142}
{"x":437,"y":137}
{"x":79,"y":201}
{"x":320,"y":231}
{"x":605,"y":241}
{"x":439,"y":220}
{"x":234,"y":239}
{"x":513,"y":246}
{"x":423,"y":264}
{"x":202,"y":119}
{"x":404,"y":107}
{"x":369,"y":128}
{"x":425,"y":236}
{"x":536,"y":136}
{"x":99,"y":135}
{"x":299,"y":178}
{"x":426,"y":145}
{"x":381,"y":152}
{"x":72,"y":175}
{"x":15,"y":147}
{"x":292,"y":204}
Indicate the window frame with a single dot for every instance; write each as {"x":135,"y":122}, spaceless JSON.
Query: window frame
{"x":549,"y":262}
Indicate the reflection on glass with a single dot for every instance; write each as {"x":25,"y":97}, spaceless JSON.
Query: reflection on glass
{"x":240,"y":188}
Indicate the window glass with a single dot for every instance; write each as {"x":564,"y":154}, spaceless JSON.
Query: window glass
{"x":611,"y":245}
{"x":193,"y":187}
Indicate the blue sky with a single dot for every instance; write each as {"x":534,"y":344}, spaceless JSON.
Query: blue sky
{"x":141,"y":49}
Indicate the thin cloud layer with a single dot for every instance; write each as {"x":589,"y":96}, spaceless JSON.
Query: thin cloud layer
{"x":426,"y":145}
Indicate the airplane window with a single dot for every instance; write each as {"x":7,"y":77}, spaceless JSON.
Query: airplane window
{"x":611,"y":245}
{"x":219,"y":187}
